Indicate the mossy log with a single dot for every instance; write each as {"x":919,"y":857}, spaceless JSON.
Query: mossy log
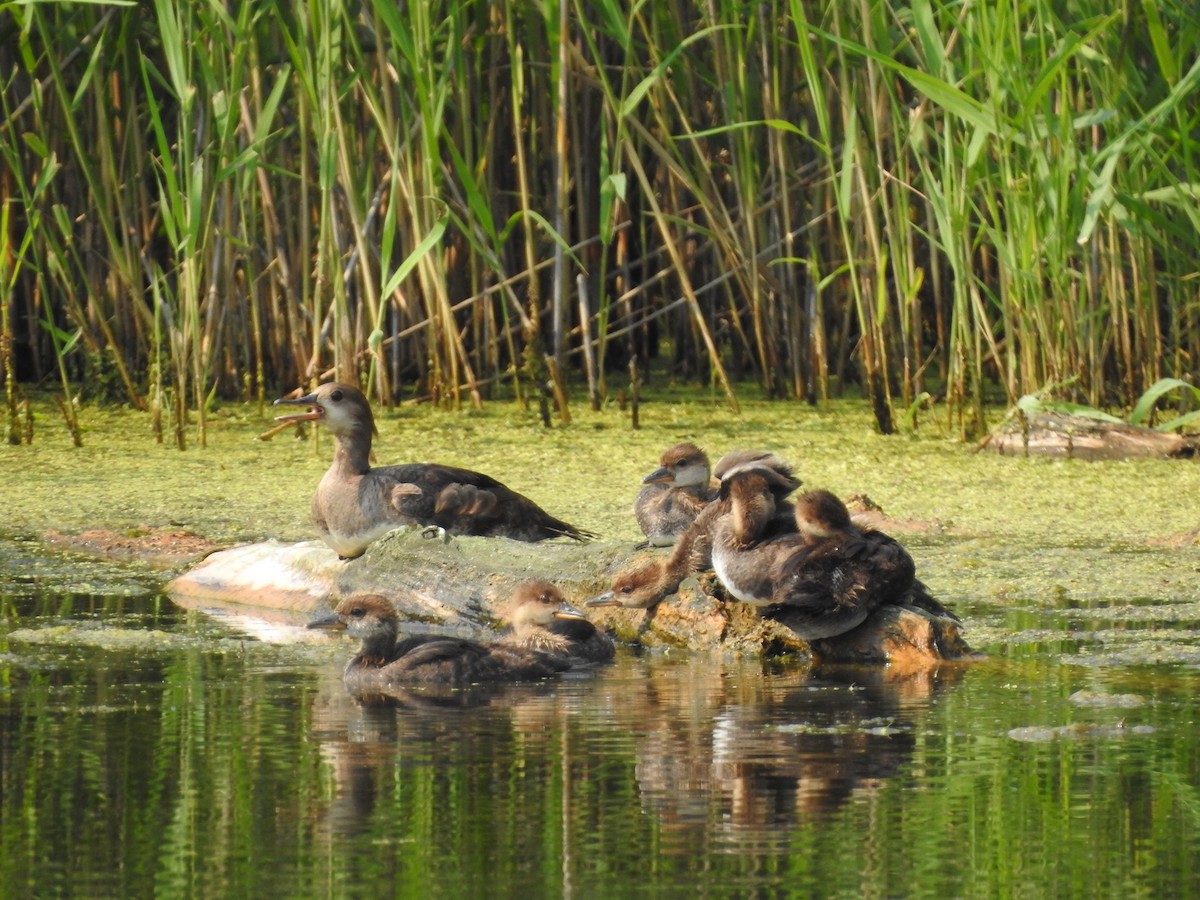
{"x":1080,"y":437}
{"x":455,"y":585}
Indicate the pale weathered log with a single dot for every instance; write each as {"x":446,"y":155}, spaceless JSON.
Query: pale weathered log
{"x":1080,"y":437}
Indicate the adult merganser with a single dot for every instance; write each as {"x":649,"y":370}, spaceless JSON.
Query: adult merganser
{"x":355,"y":504}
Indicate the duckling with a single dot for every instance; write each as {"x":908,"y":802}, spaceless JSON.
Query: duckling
{"x":647,"y":585}
{"x":541,"y":619}
{"x":829,"y":529}
{"x":755,"y":532}
{"x":641,"y":588}
{"x":674,"y":494}
{"x":355,"y":504}
{"x":843,"y":573}
{"x":754,"y":491}
{"x":383,"y":660}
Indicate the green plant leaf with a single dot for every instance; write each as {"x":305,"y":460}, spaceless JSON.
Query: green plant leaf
{"x":431,"y":240}
{"x":634,"y":98}
{"x":611,"y":188}
{"x":1146,"y":403}
{"x":1078,"y":409}
{"x":1179,"y":421}
{"x":1030,"y":404}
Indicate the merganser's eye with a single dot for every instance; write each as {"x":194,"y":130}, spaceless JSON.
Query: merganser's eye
{"x":335,"y":396}
{"x":358,"y":612}
{"x":627,"y":589}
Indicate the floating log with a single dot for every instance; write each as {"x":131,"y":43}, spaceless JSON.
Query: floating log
{"x":1080,"y":437}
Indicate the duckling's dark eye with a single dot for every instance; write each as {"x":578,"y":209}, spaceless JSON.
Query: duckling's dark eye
{"x":628,"y":589}
{"x":335,"y":396}
{"x":358,"y":612}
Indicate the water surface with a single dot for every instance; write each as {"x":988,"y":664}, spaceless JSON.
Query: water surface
{"x":146,"y":750}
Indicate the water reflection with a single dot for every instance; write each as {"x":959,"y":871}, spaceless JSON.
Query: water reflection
{"x":212,"y":763}
{"x":720,"y":749}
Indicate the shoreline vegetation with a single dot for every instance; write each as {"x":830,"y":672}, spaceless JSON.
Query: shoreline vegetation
{"x":919,"y":203}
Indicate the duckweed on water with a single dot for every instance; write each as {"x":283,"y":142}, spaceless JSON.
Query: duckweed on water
{"x":239,"y":488}
{"x":995,"y":534}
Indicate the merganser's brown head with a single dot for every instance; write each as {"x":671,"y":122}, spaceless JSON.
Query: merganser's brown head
{"x":821,"y":515}
{"x":536,"y":604}
{"x":639,"y":588}
{"x":341,"y":408}
{"x":684,"y":465}
{"x":369,"y":617}
{"x":765,"y":465}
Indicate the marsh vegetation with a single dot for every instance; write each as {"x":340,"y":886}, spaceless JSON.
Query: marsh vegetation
{"x":918,"y":202}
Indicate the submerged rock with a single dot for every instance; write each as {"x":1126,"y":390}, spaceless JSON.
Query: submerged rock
{"x":1080,"y":437}
{"x":453,"y":585}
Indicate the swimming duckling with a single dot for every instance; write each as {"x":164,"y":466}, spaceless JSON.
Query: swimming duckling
{"x":383,"y":660}
{"x":355,"y":504}
{"x":674,"y":494}
{"x":541,"y":619}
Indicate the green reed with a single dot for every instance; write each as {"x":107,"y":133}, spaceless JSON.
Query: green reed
{"x":912,"y":200}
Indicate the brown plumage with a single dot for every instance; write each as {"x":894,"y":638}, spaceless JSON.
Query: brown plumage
{"x":673,"y":495}
{"x":856,"y":562}
{"x":355,"y":504}
{"x":806,"y":563}
{"x":541,"y":619}
{"x":647,"y":585}
{"x":823,"y":580}
{"x":531,"y":651}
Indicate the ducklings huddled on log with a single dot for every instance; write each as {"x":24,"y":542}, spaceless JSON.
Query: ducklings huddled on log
{"x":803,"y":562}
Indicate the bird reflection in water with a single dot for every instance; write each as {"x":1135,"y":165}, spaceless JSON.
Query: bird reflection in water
{"x":371,"y":742}
{"x":761,"y":754}
{"x":715,"y":750}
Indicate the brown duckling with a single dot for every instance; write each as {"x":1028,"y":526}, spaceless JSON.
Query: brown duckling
{"x":753,"y":493}
{"x":640,"y":588}
{"x":756,"y":530}
{"x":674,"y":494}
{"x":648,"y":584}
{"x":541,"y":619}
{"x":384,"y":660}
{"x":355,"y":504}
{"x":829,"y":529}
{"x":843,"y":572}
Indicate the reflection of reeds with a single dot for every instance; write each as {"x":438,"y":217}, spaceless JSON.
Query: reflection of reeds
{"x":925,"y":199}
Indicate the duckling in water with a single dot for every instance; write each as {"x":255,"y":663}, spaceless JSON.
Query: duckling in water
{"x":674,"y":495}
{"x":384,"y":660}
{"x":355,"y":504}
{"x":541,"y":619}
{"x":647,"y":585}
